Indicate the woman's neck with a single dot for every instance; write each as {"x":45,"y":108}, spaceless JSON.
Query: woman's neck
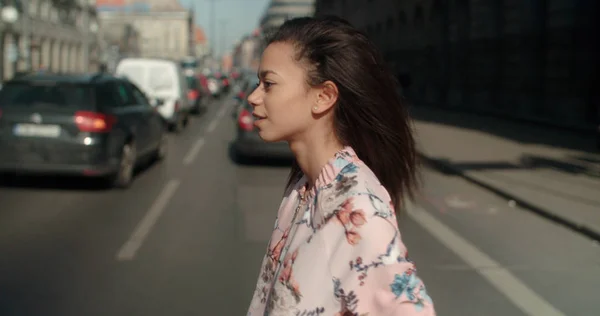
{"x":313,"y":155}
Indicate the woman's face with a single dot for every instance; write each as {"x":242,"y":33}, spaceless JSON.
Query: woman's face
{"x":283,"y":100}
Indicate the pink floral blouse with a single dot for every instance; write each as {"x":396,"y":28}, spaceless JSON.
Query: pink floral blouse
{"x":336,"y":250}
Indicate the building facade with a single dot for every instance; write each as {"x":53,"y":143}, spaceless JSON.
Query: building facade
{"x":247,"y":52}
{"x":161,"y":34}
{"x":164,"y":29}
{"x":200,"y":43}
{"x":278,"y":11}
{"x":52,"y":35}
{"x":535,"y":60}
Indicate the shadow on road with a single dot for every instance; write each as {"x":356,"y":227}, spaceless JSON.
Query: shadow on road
{"x":55,"y":182}
{"x":250,"y":161}
{"x":522,"y":132}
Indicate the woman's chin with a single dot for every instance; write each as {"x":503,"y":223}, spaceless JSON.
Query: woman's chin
{"x":268,"y":137}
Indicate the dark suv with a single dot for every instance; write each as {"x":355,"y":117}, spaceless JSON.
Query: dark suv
{"x":89,"y":125}
{"x":249,"y":145}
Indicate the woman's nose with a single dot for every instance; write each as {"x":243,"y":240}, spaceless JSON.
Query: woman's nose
{"x":254,"y":98}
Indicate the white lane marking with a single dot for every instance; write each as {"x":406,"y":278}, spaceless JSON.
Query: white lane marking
{"x":193,"y":152}
{"x":222,"y":111}
{"x":215,"y":121}
{"x":130,"y":248}
{"x":212,"y":125}
{"x":508,"y":284}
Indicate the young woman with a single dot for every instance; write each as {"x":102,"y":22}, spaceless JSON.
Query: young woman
{"x":336,"y":248}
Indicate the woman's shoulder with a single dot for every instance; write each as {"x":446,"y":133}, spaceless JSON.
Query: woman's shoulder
{"x":357,"y":183}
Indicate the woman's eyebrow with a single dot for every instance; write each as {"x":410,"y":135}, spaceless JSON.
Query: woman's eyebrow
{"x":264,"y":73}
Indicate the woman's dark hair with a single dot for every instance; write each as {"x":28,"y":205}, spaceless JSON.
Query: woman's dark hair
{"x":369,"y":115}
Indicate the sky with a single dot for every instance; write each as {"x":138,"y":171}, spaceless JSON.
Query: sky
{"x":233,"y":19}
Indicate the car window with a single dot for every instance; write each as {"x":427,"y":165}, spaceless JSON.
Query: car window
{"x":192,"y":82}
{"x":125,"y":95}
{"x":106,"y":96}
{"x":139,"y":96}
{"x":46,"y":94}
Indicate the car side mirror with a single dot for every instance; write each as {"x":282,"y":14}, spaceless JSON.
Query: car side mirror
{"x":157,"y":102}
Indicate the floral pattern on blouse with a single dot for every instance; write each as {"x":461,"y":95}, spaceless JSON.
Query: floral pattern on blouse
{"x":336,"y":250}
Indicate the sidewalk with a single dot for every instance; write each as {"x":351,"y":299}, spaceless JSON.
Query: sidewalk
{"x":553,"y":172}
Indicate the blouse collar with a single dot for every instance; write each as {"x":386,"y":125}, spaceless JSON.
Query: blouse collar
{"x":329,"y":171}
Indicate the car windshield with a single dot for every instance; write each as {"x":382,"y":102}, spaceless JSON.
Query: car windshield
{"x":189,"y":64}
{"x":48,"y":94}
{"x":192,"y":82}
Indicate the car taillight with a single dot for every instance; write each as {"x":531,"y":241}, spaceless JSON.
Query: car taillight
{"x":225,"y":82}
{"x":245,"y":120}
{"x":204,"y":82}
{"x":192,"y":95}
{"x":94,"y":122}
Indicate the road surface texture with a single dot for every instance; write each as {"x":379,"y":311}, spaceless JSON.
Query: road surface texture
{"x":188,"y":236}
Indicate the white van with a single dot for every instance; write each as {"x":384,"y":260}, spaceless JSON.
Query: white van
{"x":164,"y":84}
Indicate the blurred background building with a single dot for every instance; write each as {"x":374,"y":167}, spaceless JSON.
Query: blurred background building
{"x":247,"y":51}
{"x":150,"y":28}
{"x":531,"y":60}
{"x":200,"y":42}
{"x":58,"y":35}
{"x":279,"y":11}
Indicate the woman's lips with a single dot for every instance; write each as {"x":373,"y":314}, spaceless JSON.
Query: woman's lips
{"x":258,"y":117}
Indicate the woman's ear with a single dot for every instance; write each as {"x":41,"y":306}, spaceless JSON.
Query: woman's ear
{"x":327,"y":96}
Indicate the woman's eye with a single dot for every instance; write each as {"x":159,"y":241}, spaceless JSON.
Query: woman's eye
{"x":267,"y":84}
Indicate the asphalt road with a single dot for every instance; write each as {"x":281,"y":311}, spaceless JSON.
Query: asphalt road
{"x":188,"y":236}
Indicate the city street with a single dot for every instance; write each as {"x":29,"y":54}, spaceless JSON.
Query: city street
{"x":188,"y":236}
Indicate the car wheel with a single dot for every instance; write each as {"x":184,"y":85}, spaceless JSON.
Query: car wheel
{"x":163,"y":147}
{"x":124,"y":176}
{"x":178,"y":126}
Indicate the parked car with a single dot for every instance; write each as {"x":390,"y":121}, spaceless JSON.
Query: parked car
{"x":225,"y":82}
{"x":214,"y":85}
{"x":245,"y":87}
{"x":163,"y":81}
{"x":248,"y":143}
{"x":95,"y":126}
{"x":197,"y":95}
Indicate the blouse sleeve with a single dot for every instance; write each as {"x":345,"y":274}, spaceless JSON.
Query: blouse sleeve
{"x":372,"y":274}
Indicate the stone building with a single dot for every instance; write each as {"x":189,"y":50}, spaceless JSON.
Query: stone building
{"x":200,"y":43}
{"x":247,"y":52}
{"x":61,"y":37}
{"x":280,"y":10}
{"x":164,"y":28}
{"x":534,"y":60}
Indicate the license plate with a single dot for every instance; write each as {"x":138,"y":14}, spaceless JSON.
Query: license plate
{"x":34,"y":130}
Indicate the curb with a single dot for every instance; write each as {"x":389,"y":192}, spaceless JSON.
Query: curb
{"x":447,"y":168}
